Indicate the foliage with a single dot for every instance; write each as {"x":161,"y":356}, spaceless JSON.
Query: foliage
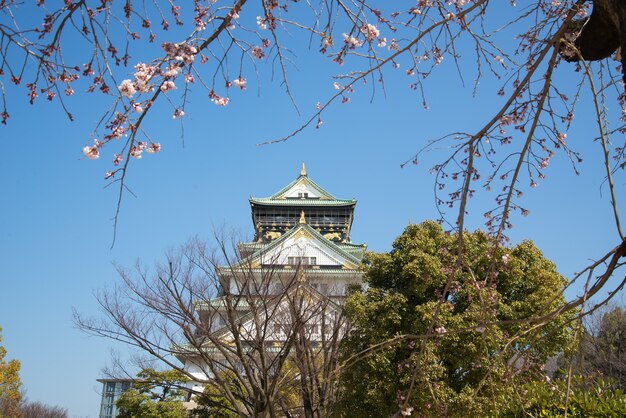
{"x":155,"y":394}
{"x":212,"y":403}
{"x":10,"y":384}
{"x":588,"y":397}
{"x":446,"y":335}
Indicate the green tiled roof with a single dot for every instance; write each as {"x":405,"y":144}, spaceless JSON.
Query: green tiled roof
{"x":308,"y":271}
{"x":240,"y":304}
{"x":325,"y":195}
{"x":355,"y":249}
{"x":301,"y":202}
{"x":324,"y":241}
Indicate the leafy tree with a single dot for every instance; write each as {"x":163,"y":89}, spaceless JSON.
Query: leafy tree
{"x":212,"y":403}
{"x":539,"y":56}
{"x":10,"y":383}
{"x":446,"y":334}
{"x":155,"y":394}
{"x":587,"y":397}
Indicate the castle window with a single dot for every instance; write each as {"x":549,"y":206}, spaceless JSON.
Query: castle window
{"x":302,"y":261}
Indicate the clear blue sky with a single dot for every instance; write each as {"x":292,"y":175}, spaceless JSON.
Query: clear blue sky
{"x":55,"y":229}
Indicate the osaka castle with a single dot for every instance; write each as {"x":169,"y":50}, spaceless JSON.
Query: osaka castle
{"x":283,"y":295}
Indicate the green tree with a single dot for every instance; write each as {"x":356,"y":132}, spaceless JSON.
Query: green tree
{"x":213,"y":404}
{"x":588,"y":397}
{"x":449,"y":335}
{"x":156,"y":394}
{"x":10,"y":383}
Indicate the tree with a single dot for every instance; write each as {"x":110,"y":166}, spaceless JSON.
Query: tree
{"x":154,"y":394}
{"x":601,"y":352}
{"x":41,"y":410}
{"x":217,"y":46}
{"x":580,"y":397}
{"x":10,"y":384}
{"x":444,"y":339}
{"x":255,"y":341}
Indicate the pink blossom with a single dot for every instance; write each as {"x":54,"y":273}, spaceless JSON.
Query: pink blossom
{"x":370,"y":32}
{"x":172,"y":70}
{"x":154,"y":148}
{"x":221,"y":101}
{"x":143,"y":75}
{"x":167,"y":86}
{"x":406,"y":411}
{"x":351,"y":41}
{"x":127,"y":88}
{"x":135,"y":152}
{"x":240,"y":82}
{"x":178,"y":113}
{"x":180,"y":52}
{"x":261,"y":23}
{"x":91,"y":152}
{"x":258,"y":52}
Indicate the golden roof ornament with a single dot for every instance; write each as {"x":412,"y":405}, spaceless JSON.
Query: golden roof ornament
{"x":303,"y":170}
{"x":302,"y":219}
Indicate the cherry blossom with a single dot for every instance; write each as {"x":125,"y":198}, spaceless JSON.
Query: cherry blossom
{"x":154,"y":147}
{"x":240,"y":82}
{"x":127,"y":88}
{"x":351,"y":41}
{"x":172,"y":70}
{"x":370,"y":31}
{"x":168,"y":85}
{"x":258,"y":52}
{"x":91,"y":152}
{"x":261,"y":23}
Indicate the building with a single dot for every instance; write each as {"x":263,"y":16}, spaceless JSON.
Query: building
{"x":285,"y":291}
{"x":112,"y":389}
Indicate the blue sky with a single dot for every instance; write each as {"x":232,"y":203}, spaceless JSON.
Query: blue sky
{"x":55,"y":228}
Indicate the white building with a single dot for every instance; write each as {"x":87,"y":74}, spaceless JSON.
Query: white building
{"x":287,"y":288}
